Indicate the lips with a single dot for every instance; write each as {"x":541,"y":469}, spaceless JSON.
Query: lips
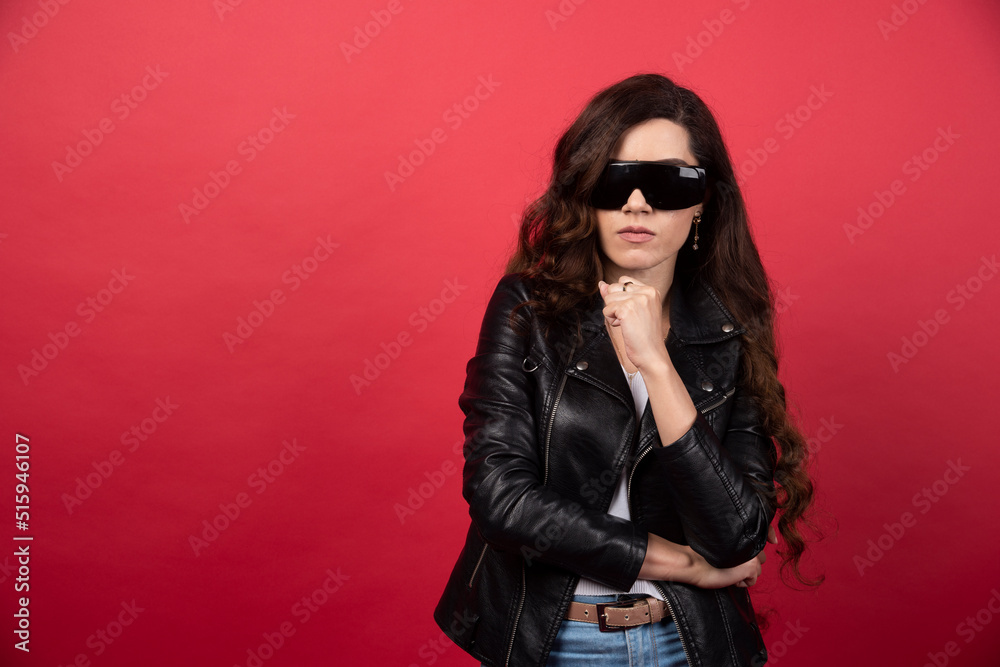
{"x":635,"y":234}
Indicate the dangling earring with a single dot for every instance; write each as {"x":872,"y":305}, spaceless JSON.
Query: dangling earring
{"x":696,"y":220}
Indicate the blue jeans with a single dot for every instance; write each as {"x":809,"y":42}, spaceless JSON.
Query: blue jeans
{"x":583,"y":644}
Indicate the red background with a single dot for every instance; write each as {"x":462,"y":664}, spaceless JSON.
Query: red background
{"x":850,"y":302}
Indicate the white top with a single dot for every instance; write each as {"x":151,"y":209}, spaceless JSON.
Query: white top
{"x":619,"y":507}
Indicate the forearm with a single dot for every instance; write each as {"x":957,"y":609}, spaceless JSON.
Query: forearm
{"x":724,"y":514}
{"x":673,"y":409}
{"x":515,"y":512}
{"x":669,"y":561}
{"x":540,"y":525}
{"x":664,"y":560}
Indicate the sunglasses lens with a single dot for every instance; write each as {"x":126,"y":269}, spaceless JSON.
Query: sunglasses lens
{"x":615,"y":186}
{"x":664,"y":186}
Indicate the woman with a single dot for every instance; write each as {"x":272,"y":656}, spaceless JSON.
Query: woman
{"x":623,"y":409}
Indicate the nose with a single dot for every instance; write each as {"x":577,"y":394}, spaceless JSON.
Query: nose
{"x":637,"y":203}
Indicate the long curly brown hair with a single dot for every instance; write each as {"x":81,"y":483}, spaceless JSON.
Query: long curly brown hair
{"x":558,"y":247}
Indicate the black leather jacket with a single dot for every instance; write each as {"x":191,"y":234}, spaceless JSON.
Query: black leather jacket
{"x":550,"y":426}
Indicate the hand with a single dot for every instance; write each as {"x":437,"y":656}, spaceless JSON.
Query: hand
{"x":638,"y":311}
{"x":743,"y":576}
{"x":761,"y":557}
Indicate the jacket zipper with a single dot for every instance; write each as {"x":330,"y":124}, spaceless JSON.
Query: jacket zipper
{"x":719,"y":402}
{"x":628,"y":487}
{"x":520,"y":606}
{"x":548,"y":434}
{"x":478,"y":563}
{"x":670,"y":608}
{"x":666,"y":600}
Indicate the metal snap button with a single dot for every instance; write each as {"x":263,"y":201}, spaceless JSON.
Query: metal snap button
{"x":707,"y":385}
{"x":582,"y":365}
{"x":727,"y":327}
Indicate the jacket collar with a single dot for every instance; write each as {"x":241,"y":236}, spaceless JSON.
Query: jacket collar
{"x":697,"y":315}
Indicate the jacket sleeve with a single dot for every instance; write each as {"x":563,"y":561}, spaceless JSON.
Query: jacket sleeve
{"x":502,"y":479}
{"x":721,"y":487}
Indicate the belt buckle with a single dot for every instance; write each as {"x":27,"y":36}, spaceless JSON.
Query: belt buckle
{"x":602,"y":622}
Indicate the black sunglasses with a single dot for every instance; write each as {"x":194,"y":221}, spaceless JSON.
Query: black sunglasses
{"x":667,"y":187}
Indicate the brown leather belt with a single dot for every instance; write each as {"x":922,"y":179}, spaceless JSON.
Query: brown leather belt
{"x":611,"y":616}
